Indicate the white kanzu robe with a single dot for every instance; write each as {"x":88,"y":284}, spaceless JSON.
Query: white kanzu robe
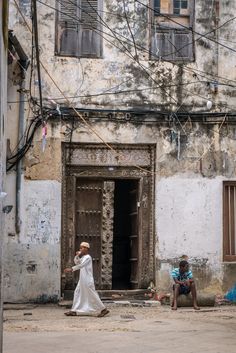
{"x":86,"y":299}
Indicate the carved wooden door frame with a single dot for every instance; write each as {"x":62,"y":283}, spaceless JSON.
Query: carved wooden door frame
{"x":97,"y":161}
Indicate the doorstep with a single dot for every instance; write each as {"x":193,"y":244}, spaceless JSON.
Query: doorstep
{"x":119,"y":303}
{"x":129,"y":294}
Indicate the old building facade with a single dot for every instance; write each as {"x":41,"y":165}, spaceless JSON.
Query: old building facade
{"x":139,"y":105}
{"x":3,"y":113}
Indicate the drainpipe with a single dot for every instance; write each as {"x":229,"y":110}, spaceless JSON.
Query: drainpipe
{"x":24,"y":63}
{"x":19,"y":164}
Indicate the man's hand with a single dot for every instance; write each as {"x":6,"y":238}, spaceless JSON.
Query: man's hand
{"x":68,"y":270}
{"x":78,"y":253}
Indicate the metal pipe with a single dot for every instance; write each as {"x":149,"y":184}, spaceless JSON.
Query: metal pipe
{"x":18,"y":220}
{"x":35,"y":24}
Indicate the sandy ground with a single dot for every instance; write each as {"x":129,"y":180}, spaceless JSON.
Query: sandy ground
{"x":44,"y":329}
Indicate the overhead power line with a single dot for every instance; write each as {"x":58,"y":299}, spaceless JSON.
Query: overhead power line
{"x":35,"y":24}
{"x":146,"y":70}
{"x":138,"y":46}
{"x":189,"y":28}
{"x":79,"y":115}
{"x":127,"y":40}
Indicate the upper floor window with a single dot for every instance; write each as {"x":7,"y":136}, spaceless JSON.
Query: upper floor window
{"x":171,"y":32}
{"x":180,"y":5}
{"x":78,"y":28}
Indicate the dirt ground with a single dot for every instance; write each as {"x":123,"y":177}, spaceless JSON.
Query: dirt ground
{"x":45,"y":329}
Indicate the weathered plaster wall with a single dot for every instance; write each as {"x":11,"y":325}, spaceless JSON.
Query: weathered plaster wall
{"x":189,"y":221}
{"x":192,"y":159}
{"x":188,"y":218}
{"x":166,"y":85}
{"x":32,"y":259}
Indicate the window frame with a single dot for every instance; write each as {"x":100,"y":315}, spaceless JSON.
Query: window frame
{"x":154,"y":29}
{"x":57,"y":49}
{"x":180,"y":6}
{"x":227,"y":238}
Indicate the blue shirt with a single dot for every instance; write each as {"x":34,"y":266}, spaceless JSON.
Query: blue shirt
{"x":181,"y":276}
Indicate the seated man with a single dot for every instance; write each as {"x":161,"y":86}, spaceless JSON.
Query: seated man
{"x":184,"y":284}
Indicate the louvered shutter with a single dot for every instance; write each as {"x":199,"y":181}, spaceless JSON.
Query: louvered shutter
{"x":90,"y":36}
{"x":161,"y":45}
{"x":79,"y":28}
{"x":172,"y":45}
{"x":183,"y":45}
{"x":68,"y":27}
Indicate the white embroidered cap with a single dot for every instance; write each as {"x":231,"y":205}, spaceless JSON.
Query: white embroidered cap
{"x":85,"y":245}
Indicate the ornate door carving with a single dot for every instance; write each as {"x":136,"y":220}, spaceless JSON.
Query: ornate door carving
{"x":88,"y":198}
{"x":107,"y":233}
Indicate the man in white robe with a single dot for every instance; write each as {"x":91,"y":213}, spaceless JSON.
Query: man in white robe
{"x":86,"y":300}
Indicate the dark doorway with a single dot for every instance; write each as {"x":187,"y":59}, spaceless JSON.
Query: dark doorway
{"x":125,"y":235}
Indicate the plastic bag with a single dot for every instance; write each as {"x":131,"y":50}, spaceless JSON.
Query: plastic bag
{"x":231,"y":295}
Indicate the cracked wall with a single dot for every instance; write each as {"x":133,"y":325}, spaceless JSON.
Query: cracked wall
{"x":161,"y":85}
{"x":192,"y":159}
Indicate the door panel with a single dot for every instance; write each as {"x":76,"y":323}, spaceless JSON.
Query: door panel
{"x":134,"y":239}
{"x":94,"y":224}
{"x":89,"y":198}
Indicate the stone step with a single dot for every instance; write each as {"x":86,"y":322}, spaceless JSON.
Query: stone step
{"x":119,"y":303}
{"x":138,"y":294}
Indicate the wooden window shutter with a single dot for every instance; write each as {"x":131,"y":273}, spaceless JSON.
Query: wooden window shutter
{"x":229,"y":221}
{"x":182,"y":45}
{"x":161,"y":45}
{"x":68,"y":18}
{"x":172,"y":38}
{"x":79,"y":28}
{"x":90,"y":43}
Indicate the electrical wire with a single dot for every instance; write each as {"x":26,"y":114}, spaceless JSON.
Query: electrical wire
{"x":131,"y":33}
{"x":144,"y":68}
{"x":154,"y":80}
{"x":129,"y":53}
{"x":201,"y":35}
{"x":84,"y":119}
{"x":36,"y":41}
{"x":189,"y":28}
{"x":144,"y":49}
{"x":229,"y":80}
{"x":107,"y":93}
{"x":13,"y":160}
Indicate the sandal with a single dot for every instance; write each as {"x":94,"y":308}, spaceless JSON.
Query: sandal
{"x":103,"y":312}
{"x":70,"y":313}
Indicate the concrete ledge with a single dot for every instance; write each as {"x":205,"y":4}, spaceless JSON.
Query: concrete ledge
{"x":203,"y":300}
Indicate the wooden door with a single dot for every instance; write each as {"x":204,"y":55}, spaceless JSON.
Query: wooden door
{"x":88,"y":219}
{"x":94,"y":214}
{"x":134,"y":235}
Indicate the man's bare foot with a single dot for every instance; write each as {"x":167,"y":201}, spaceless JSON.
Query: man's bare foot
{"x":196,"y":307}
{"x":174,"y":307}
